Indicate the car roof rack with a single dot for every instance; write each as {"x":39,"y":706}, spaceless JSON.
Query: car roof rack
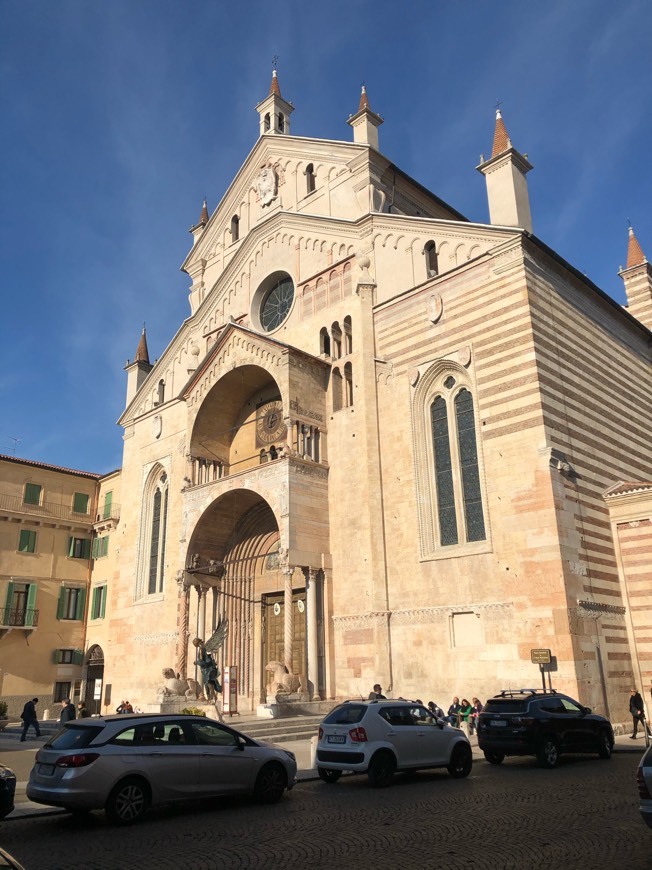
{"x":509,"y":692}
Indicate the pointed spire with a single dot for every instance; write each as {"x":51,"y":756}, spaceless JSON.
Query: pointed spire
{"x":364,"y":99}
{"x":274,"y":88}
{"x":635,"y":255}
{"x":142,"y":354}
{"x":502,"y":141}
{"x":203,"y":217}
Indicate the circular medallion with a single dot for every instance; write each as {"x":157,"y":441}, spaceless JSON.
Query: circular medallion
{"x":276,"y":304}
{"x":300,"y":606}
{"x":277,"y":609}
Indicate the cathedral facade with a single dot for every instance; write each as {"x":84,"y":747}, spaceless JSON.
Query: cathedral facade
{"x":388,"y":444}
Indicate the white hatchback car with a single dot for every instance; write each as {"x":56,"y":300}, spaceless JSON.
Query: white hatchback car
{"x":381,"y":737}
{"x":125,"y":764}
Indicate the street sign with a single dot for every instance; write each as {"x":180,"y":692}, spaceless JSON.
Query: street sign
{"x":540,"y":656}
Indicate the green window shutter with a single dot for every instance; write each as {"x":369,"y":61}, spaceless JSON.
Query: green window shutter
{"x":61,"y":603}
{"x":103,"y":602}
{"x":85,"y":548}
{"x":32,"y":493}
{"x":10,"y":594}
{"x":108,"y":498}
{"x":81,"y":601}
{"x":80,"y":503}
{"x":105,"y":546}
{"x":95,"y":603}
{"x":95,"y":547}
{"x":27,"y":541}
{"x":31,"y":602}
{"x":78,"y":657}
{"x":58,"y":656}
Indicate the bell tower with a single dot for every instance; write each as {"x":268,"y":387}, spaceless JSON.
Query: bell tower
{"x":274,"y":111}
{"x":505,"y":171}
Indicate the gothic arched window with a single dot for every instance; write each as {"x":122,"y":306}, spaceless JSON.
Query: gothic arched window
{"x":153,"y":530}
{"x":235,"y":228}
{"x":310,"y":178}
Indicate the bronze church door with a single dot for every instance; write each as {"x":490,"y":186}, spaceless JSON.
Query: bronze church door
{"x":274,"y":632}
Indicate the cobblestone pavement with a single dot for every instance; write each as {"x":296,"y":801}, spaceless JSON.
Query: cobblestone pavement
{"x":582,"y":815}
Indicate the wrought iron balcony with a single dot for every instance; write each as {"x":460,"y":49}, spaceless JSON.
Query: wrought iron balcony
{"x":12,"y":617}
{"x":15,"y":504}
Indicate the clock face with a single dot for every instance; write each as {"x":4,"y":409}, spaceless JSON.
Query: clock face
{"x":276,"y":304}
{"x":269,"y":423}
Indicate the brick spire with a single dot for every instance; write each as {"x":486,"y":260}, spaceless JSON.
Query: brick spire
{"x":274,"y":88}
{"x":364,"y":99}
{"x":203,"y":217}
{"x":635,"y":255}
{"x":142,"y":354}
{"x":502,"y":141}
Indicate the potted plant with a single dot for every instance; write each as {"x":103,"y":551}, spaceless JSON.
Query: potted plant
{"x":4,"y":721}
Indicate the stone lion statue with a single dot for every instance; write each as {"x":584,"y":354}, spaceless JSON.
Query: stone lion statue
{"x":283,"y":682}
{"x":174,"y":686}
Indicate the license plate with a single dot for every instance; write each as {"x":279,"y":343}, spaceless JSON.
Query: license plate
{"x":46,"y":769}
{"x":498,"y":724}
{"x":336,"y":738}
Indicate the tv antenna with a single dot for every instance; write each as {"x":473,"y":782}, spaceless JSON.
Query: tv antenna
{"x":16,"y":442}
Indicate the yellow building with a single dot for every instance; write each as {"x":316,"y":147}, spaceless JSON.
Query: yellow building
{"x":387,"y":445}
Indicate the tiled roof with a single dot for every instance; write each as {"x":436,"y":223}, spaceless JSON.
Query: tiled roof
{"x":628,"y":488}
{"x":501,"y":139}
{"x":635,"y":255}
{"x":45,"y":465}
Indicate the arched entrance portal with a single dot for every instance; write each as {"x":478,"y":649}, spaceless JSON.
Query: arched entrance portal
{"x":237,"y":572}
{"x":94,"y":679}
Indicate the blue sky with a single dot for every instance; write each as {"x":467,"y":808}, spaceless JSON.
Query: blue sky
{"x":119,"y":116}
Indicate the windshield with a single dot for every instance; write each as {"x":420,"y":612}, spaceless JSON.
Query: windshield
{"x":346,"y":714}
{"x":74,"y":737}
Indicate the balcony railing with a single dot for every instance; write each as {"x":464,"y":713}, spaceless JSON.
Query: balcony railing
{"x":15,"y":504}
{"x":12,"y":617}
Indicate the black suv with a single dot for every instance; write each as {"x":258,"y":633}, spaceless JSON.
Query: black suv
{"x":545,"y":724}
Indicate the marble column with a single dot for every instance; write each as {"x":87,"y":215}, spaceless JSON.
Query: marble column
{"x":311,"y":632}
{"x":288,"y":612}
{"x":183,"y":614}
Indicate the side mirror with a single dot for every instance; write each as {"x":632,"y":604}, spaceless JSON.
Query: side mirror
{"x":241,"y":744}
{"x":441,"y":724}
{"x":585,"y":710}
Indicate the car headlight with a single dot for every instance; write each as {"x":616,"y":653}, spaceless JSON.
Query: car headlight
{"x":5,"y":773}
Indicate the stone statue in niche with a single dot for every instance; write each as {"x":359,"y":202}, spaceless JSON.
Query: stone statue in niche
{"x":266,"y":185}
{"x":283,"y":682}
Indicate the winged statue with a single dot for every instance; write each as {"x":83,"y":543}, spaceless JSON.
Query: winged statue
{"x":205,"y":661}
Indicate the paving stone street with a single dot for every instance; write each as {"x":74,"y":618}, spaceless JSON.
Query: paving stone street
{"x":582,"y":815}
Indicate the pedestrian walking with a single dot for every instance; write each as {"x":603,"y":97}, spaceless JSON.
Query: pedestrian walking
{"x":29,"y":717}
{"x":82,"y":711}
{"x":638,"y":713}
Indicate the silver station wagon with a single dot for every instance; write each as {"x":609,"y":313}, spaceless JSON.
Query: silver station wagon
{"x":126,"y":764}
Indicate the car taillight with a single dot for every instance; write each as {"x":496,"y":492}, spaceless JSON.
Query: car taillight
{"x":358,"y":735}
{"x":643,"y":790}
{"x":82,"y":760}
{"x":523,"y":720}
{"x":321,"y":732}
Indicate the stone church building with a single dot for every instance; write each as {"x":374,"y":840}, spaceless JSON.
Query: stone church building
{"x":388,"y":444}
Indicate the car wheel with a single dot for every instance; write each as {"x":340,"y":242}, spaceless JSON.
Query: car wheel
{"x":381,"y":769}
{"x":548,"y":754}
{"x":461,"y":761}
{"x":494,"y":757}
{"x":128,"y":801}
{"x":270,"y":784}
{"x":329,"y":775}
{"x":605,"y":746}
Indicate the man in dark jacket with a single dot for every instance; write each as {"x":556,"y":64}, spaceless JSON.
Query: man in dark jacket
{"x":638,"y":713}
{"x":67,"y":712}
{"x":29,"y":717}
